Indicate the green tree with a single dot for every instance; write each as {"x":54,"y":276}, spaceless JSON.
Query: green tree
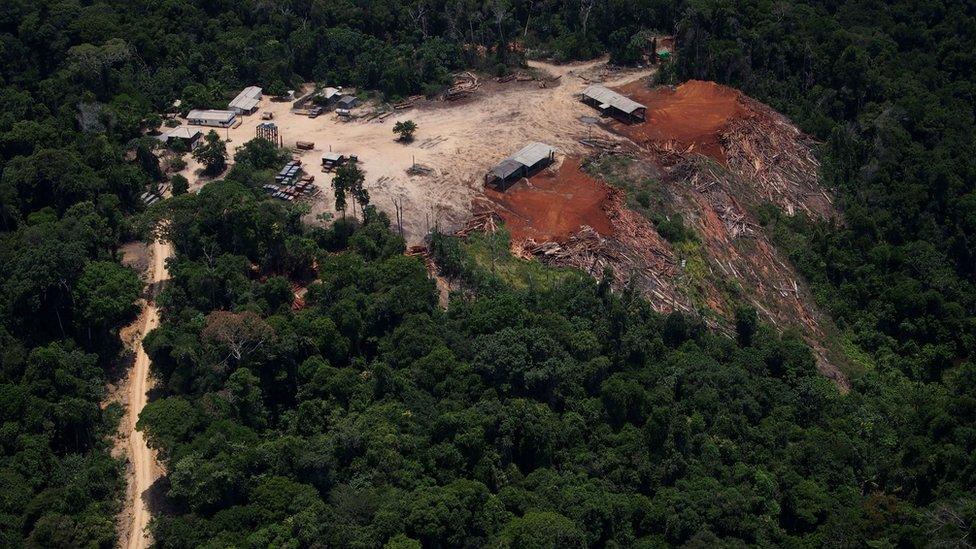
{"x":180,"y":185}
{"x":152,"y":123}
{"x":349,"y":179}
{"x":212,"y":154}
{"x":542,"y":530}
{"x":405,"y":130}
{"x":105,"y":295}
{"x":261,"y":154}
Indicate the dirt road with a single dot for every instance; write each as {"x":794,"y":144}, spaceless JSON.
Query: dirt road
{"x":145,"y":468}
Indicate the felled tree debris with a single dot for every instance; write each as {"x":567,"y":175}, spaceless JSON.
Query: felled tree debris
{"x":483,"y":222}
{"x":766,"y":148}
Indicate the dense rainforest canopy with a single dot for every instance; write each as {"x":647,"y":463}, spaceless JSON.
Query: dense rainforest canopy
{"x":552,"y":415}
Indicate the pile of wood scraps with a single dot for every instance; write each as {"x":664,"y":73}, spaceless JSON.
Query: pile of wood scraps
{"x":482,"y":222}
{"x":464,"y":84}
{"x":773,"y":153}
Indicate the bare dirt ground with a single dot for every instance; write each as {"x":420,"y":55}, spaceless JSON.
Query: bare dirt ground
{"x":554,"y":204}
{"x":751,"y":139}
{"x":459,"y":140}
{"x":143,"y":468}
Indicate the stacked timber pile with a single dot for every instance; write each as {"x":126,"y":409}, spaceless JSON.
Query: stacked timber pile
{"x":517,"y":76}
{"x":544,"y":83}
{"x":464,"y":84}
{"x":407,"y":103}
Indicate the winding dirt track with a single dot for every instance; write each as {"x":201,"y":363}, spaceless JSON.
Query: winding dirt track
{"x":145,"y":468}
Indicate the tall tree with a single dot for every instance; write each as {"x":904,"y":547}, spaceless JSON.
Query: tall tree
{"x":212,"y":154}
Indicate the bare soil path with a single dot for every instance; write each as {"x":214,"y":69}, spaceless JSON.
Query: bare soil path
{"x":145,"y":469}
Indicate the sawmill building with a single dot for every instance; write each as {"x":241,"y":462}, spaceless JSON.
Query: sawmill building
{"x":528,"y":160}
{"x":611,"y":103}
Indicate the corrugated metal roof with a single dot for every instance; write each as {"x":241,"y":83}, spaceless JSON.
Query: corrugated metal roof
{"x":247,"y":99}
{"x":328,"y":93}
{"x":333,"y":156}
{"x":211,"y":114}
{"x":532,"y":154}
{"x":611,"y":98}
{"x":506,"y":168}
{"x":183,"y":132}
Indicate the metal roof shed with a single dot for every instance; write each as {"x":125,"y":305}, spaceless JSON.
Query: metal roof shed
{"x":507,"y":168}
{"x":184,"y":132}
{"x":606,"y":99}
{"x":247,"y":101}
{"x":520,"y":164}
{"x":211,"y":117}
{"x":533,"y":153}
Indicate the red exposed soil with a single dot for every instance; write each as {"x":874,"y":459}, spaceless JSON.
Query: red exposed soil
{"x":552,"y":206}
{"x":688,"y":119}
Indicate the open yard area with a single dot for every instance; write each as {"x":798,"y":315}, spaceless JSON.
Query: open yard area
{"x":459,"y":141}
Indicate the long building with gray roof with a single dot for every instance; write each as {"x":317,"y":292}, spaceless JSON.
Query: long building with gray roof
{"x":612,"y":103}
{"x":528,"y":159}
{"x":247,"y":101}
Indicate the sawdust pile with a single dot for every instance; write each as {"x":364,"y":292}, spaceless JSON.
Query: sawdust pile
{"x":553,"y":204}
{"x":738,"y":132}
{"x":688,"y":119}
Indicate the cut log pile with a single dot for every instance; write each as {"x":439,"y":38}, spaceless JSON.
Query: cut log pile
{"x":481,"y":222}
{"x":408,"y":103}
{"x":544,"y":83}
{"x":464,"y":84}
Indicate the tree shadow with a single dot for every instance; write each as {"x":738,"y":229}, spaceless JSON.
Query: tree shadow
{"x":152,"y":290}
{"x":156,"y":500}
